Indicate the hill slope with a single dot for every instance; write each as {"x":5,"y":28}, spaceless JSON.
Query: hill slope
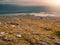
{"x":23,"y":30}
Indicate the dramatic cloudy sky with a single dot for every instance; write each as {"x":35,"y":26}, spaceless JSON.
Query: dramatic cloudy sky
{"x":32,"y":2}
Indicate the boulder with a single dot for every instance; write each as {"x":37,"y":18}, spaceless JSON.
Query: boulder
{"x":2,"y":33}
{"x":57,"y":43}
{"x":35,"y":33}
{"x":47,"y":29}
{"x":18,"y":35}
{"x":12,"y":23}
{"x":6,"y":39}
{"x":13,"y":26}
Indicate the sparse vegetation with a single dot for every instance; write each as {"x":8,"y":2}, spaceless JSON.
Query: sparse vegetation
{"x":28,"y":30}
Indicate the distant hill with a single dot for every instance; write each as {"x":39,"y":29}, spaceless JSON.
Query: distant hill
{"x":9,"y":8}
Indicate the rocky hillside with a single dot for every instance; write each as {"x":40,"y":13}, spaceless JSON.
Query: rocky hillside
{"x":27,"y":30}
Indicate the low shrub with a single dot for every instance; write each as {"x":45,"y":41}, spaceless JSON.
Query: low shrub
{"x":57,"y":33}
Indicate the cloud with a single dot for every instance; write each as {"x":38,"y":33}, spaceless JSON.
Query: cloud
{"x":27,"y":2}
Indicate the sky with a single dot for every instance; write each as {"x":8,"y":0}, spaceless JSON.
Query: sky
{"x":28,"y":2}
{"x":52,"y":3}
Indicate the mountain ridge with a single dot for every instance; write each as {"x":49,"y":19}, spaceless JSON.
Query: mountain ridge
{"x":9,"y":8}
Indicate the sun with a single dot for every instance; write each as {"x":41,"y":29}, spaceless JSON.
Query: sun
{"x":56,"y":2}
{"x":55,"y":5}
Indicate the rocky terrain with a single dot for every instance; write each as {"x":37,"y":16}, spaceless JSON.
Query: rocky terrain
{"x":29,"y":30}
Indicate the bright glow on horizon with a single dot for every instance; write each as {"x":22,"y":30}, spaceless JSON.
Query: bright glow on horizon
{"x":56,"y":2}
